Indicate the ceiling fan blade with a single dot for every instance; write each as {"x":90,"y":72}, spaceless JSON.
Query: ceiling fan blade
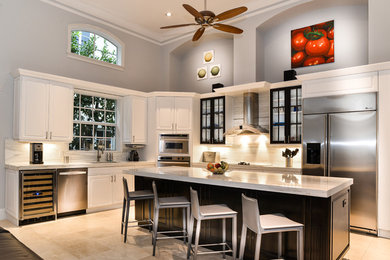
{"x":194,"y":12}
{"x":198,"y":34}
{"x":230,"y":13}
{"x":177,"y":25}
{"x":227,"y":28}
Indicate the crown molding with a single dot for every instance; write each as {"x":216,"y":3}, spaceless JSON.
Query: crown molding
{"x":101,"y":21}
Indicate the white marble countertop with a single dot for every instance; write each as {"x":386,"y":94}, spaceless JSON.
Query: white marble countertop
{"x":256,"y":167}
{"x":315,"y":186}
{"x":60,"y":165}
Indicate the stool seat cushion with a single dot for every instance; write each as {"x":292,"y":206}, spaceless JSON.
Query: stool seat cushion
{"x":216,"y":210}
{"x":173,"y":201}
{"x":274,"y":221}
{"x":141,"y":194}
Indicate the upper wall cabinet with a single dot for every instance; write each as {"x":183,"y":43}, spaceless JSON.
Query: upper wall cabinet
{"x":329,"y":83}
{"x":174,"y":114}
{"x":286,"y":115}
{"x":135,"y":120}
{"x":42,"y":110}
{"x":212,"y":125}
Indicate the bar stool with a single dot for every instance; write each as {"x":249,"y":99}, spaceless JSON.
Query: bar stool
{"x":206,"y":213}
{"x":135,"y":195}
{"x":263,"y":224}
{"x":169,"y":203}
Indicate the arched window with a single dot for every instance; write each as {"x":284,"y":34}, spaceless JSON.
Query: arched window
{"x":92,"y":44}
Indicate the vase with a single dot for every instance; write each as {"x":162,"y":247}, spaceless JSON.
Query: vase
{"x":289,"y":162}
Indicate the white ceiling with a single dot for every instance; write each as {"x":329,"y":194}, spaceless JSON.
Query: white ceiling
{"x":145,"y":17}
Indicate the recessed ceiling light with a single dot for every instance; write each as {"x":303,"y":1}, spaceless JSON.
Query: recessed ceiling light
{"x":168,"y":14}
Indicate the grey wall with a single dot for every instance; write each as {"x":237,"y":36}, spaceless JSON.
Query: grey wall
{"x":34,"y":36}
{"x":187,"y":58}
{"x":351,"y":30}
{"x":36,"y":39}
{"x":378,"y":31}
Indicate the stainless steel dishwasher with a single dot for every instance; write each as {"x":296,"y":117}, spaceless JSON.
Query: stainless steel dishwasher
{"x":72,"y":191}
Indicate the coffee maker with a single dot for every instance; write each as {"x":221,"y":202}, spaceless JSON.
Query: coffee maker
{"x":36,"y":153}
{"x":133,"y":156}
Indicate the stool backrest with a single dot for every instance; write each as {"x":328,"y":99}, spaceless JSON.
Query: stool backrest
{"x":156,"y":203}
{"x":125,"y":188}
{"x":194,"y":203}
{"x":251,"y":214}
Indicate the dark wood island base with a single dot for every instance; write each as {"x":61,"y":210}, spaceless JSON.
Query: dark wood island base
{"x":326,"y":220}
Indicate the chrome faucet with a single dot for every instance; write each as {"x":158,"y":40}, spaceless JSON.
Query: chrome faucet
{"x":100,"y":147}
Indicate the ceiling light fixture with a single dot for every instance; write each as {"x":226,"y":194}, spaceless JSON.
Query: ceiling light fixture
{"x":207,"y":18}
{"x":168,"y":14}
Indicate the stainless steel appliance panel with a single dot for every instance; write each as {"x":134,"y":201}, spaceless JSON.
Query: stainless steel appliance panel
{"x":173,"y":144}
{"x":314,"y":145}
{"x":343,"y":103}
{"x":165,"y":161}
{"x":352,"y":154}
{"x":340,"y":228}
{"x":72,"y":190}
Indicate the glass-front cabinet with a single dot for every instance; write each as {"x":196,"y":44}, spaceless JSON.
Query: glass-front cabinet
{"x":212,"y":122}
{"x":286,"y":115}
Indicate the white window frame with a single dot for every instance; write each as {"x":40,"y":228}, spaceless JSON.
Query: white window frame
{"x":99,"y":31}
{"x":117,"y":125}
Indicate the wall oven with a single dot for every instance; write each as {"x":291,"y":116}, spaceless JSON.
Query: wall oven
{"x":177,"y":144}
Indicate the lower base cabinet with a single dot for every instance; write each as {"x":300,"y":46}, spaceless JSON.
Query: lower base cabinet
{"x":105,"y":186}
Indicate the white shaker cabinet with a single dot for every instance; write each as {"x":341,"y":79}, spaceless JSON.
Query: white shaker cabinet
{"x":43,"y":110}
{"x":99,"y":191}
{"x":174,"y":113}
{"x":326,"y":84}
{"x":105,"y":186}
{"x":135,"y":119}
{"x":183,"y":113}
{"x":165,"y":115}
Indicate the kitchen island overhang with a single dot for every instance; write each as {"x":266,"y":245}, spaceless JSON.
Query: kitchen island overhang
{"x":320,"y":203}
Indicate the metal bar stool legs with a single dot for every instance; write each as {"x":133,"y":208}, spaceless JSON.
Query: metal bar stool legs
{"x":263,"y":224}
{"x":209,"y":212}
{"x":135,"y":195}
{"x":169,"y":203}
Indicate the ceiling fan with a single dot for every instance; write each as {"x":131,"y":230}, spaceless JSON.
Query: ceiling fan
{"x":207,"y":18}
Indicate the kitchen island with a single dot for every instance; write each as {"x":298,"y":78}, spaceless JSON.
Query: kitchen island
{"x":320,"y":203}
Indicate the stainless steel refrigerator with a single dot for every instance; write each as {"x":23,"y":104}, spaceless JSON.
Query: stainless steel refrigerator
{"x":339,"y":140}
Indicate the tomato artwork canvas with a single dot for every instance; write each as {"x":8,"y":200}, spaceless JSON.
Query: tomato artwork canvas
{"x":312,"y":45}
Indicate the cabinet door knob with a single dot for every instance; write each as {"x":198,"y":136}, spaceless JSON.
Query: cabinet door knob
{"x":47,"y":135}
{"x":172,"y":127}
{"x":111,"y":178}
{"x":133,"y":138}
{"x":114,"y":178}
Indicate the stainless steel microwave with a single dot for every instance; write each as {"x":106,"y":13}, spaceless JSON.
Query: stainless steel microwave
{"x":173,"y":144}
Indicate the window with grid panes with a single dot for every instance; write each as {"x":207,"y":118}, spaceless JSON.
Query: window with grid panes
{"x":94,"y":121}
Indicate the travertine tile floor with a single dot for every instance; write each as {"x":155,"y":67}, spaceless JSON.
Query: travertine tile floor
{"x":97,"y":236}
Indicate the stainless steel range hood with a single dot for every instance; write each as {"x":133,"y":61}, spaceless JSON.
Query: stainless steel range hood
{"x":251,"y":117}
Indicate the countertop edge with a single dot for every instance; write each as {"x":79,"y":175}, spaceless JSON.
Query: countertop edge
{"x":251,"y":186}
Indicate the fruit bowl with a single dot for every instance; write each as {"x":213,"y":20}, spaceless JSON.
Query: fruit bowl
{"x":218,"y":168}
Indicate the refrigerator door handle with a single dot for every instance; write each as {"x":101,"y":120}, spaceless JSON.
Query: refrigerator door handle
{"x":327,"y":146}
